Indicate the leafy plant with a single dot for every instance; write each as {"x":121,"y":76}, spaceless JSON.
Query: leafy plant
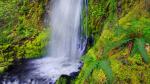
{"x":92,"y":64}
{"x":141,"y":48}
{"x":133,"y":35}
{"x":137,"y":35}
{"x":21,"y":30}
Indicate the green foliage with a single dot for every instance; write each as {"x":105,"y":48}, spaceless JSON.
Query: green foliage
{"x":96,"y":13}
{"x":112,"y":9}
{"x":105,"y":66}
{"x":37,"y":47}
{"x":131,"y":70}
{"x":120,"y":39}
{"x":92,"y":64}
{"x":140,"y":44}
{"x":134,"y":49}
{"x":137,"y":33}
{"x":64,"y":79}
{"x":7,"y":10}
{"x":22,"y":34}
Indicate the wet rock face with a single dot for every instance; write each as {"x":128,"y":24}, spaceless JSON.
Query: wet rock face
{"x":69,"y":79}
{"x":65,"y":79}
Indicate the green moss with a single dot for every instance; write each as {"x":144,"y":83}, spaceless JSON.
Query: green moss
{"x":22,"y":33}
{"x":37,"y":47}
{"x":1,"y":69}
{"x":127,"y":69}
{"x":64,"y":79}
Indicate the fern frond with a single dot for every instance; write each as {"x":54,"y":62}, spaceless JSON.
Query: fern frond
{"x":141,"y":47}
{"x":89,"y":69}
{"x":113,"y":45}
{"x":119,"y":30}
{"x":134,"y":50}
{"x":86,"y":72}
{"x":87,"y":58}
{"x":105,"y":66}
{"x":92,"y":64}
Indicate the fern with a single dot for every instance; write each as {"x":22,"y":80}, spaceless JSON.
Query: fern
{"x":134,"y":49}
{"x":112,"y":45}
{"x":87,"y":58}
{"x":140,"y":44}
{"x":112,"y":9}
{"x":137,"y":33}
{"x":89,"y":70}
{"x":105,"y":66}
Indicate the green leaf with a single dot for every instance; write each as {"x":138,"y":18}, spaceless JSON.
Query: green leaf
{"x":134,"y":50}
{"x":87,"y":58}
{"x":113,"y":45}
{"x":89,"y":70}
{"x":106,"y":67}
{"x":141,"y":47}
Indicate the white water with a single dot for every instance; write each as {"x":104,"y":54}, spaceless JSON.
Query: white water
{"x":65,"y":47}
{"x":64,"y":52}
{"x":65,"y":23}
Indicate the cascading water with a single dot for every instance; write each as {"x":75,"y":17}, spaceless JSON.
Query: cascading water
{"x":65,"y":47}
{"x":65,"y":24}
{"x":64,"y":52}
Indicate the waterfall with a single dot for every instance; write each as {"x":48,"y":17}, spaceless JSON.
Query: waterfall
{"x":64,"y":47}
{"x":65,"y":24}
{"x":64,"y":50}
